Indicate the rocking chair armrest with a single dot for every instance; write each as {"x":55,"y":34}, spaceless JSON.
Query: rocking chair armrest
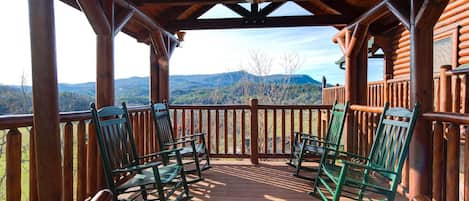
{"x":314,"y":139}
{"x":191,"y":136}
{"x":303,"y":134}
{"x":352,"y":155}
{"x":137,"y":167}
{"x":180,"y":142}
{"x":376,"y":169}
{"x":168,"y":151}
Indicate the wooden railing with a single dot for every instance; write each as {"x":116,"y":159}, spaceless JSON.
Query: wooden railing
{"x":254,"y":130}
{"x":330,"y":94}
{"x":397,"y":92}
{"x":450,"y":131}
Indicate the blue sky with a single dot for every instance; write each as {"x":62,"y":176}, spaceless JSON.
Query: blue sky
{"x":202,"y":52}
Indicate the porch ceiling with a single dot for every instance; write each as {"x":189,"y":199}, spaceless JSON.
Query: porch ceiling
{"x":177,"y":15}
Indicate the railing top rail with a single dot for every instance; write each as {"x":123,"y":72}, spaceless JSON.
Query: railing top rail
{"x":334,"y":87}
{"x":210,"y":107}
{"x":400,"y":79}
{"x":25,"y":120}
{"x":363,"y":108}
{"x":376,"y":82}
{"x":295,"y":107}
{"x":447,"y":117}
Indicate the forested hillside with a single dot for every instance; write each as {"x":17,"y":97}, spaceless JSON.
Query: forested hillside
{"x":224,"y":88}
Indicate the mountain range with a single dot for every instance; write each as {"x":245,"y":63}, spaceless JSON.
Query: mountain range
{"x":221,"y":88}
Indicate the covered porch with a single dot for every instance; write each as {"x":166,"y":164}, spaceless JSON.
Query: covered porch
{"x":64,"y":162}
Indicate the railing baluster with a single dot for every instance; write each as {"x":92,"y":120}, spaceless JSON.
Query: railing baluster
{"x":217,"y":132}
{"x":452,"y":170}
{"x":266,"y":136}
{"x":192,"y":121}
{"x":33,"y":194}
{"x":225,"y":132}
{"x":438,"y":162}
{"x":318,"y":121}
{"x":274,"y":132}
{"x":13,"y":165}
{"x":466,"y":164}
{"x":209,"y":131}
{"x":292,"y":127}
{"x":81,"y":160}
{"x":141,"y":129}
{"x":92,"y":160}
{"x":67,"y":166}
{"x":200,"y":122}
{"x":310,"y":121}
{"x":175,"y":124}
{"x":283,"y":131}
{"x":234,"y":131}
{"x":254,"y":132}
{"x":183,"y":122}
{"x":243,"y":132}
{"x":301,"y":120}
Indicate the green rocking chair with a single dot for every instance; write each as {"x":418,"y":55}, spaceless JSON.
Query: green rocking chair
{"x":197,"y":148}
{"x":122,"y":166}
{"x":307,"y":144}
{"x":380,"y":172}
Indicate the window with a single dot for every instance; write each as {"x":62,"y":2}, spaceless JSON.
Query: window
{"x":442,"y":53}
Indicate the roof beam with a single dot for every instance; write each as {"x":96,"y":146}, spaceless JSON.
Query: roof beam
{"x":240,"y":23}
{"x":270,"y":8}
{"x":147,"y":21}
{"x":194,"y":12}
{"x":210,"y":2}
{"x":238,"y":9}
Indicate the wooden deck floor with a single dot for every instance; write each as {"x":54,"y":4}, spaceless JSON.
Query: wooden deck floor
{"x":238,"y":180}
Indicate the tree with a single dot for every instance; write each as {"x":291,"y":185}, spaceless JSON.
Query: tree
{"x":266,"y":89}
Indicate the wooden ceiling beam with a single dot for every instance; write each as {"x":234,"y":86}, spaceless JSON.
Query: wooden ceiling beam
{"x":206,"y":2}
{"x":96,"y":16}
{"x":240,"y":23}
{"x":147,"y":21}
{"x":238,"y":9}
{"x":122,"y":17}
{"x":401,"y":11}
{"x":194,"y":12}
{"x":271,"y":8}
{"x":340,"y":6}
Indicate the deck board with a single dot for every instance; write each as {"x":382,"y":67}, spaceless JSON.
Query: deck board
{"x":238,"y":180}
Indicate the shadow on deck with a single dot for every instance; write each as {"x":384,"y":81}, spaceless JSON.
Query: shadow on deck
{"x":238,"y":180}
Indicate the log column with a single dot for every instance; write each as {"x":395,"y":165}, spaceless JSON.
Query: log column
{"x":45,"y":100}
{"x":154,"y":75}
{"x":355,"y":50}
{"x":161,"y":51}
{"x":424,"y":15}
{"x":105,"y":70}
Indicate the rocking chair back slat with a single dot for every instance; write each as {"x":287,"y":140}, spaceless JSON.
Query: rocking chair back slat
{"x":163,"y":124}
{"x":392,"y":140}
{"x":334,"y":132}
{"x":115,"y":138}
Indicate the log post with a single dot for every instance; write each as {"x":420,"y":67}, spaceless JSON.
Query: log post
{"x":355,"y":75}
{"x":254,"y":132}
{"x":423,"y":17}
{"x":13,"y":165}
{"x":45,"y":100}
{"x":154,"y":75}
{"x":445,"y":89}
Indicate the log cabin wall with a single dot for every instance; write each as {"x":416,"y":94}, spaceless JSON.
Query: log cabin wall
{"x":454,"y":21}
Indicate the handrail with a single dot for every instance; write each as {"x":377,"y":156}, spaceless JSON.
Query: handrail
{"x":447,"y":117}
{"x":24,"y":120}
{"x":209,"y":107}
{"x":294,"y":107}
{"x":363,"y":108}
